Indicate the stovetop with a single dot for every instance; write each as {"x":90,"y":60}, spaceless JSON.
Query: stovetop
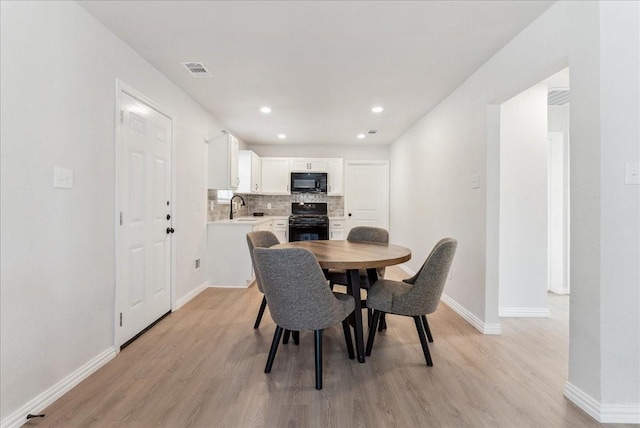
{"x":308,"y":209}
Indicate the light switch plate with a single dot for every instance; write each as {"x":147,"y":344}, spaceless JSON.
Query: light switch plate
{"x":62,"y":178}
{"x":632,"y":173}
{"x":475,"y":182}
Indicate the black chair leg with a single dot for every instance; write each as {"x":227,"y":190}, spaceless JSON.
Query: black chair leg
{"x":423,"y":340}
{"x":369,"y":316}
{"x":318,"y":348}
{"x":296,"y":337}
{"x":274,"y":348}
{"x":372,"y":331}
{"x":285,"y":339}
{"x":426,"y":328}
{"x":347,"y":338}
{"x":263,"y":305}
{"x":382,"y":325}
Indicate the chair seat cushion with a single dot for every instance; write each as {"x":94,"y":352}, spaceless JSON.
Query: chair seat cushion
{"x":348,"y":302}
{"x":383,"y":294}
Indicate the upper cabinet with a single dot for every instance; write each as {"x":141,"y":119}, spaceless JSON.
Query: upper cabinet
{"x":310,"y":165}
{"x":335,"y":177}
{"x":249,"y":172}
{"x":222,"y":163}
{"x":275,"y":176}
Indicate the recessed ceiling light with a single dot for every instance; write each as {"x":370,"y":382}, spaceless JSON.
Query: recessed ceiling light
{"x":361,"y":136}
{"x":377,"y":109}
{"x":265,"y":110}
{"x":282,"y":136}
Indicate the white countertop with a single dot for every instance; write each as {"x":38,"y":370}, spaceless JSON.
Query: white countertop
{"x":248,"y":220}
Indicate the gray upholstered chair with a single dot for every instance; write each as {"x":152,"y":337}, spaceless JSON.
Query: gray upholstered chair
{"x":299,"y":299}
{"x":360,"y":234}
{"x":262,"y":239}
{"x":416,"y":297}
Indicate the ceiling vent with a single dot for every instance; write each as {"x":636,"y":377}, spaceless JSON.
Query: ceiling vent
{"x":197,"y":69}
{"x":558,"y":96}
{"x":372,"y":131}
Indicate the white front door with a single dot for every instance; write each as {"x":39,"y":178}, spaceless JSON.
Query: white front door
{"x":143,"y":289}
{"x":366,"y":196}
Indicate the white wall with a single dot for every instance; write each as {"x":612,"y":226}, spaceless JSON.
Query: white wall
{"x":58,"y":73}
{"x":368,"y":152}
{"x":558,"y":118}
{"x":620,"y":203}
{"x":456,"y":140}
{"x":559,"y":198}
{"x":523,"y":204}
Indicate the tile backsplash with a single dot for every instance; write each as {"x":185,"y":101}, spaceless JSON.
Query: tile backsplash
{"x":280,"y":205}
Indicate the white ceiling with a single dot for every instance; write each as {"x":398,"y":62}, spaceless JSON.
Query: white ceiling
{"x":320,"y":66}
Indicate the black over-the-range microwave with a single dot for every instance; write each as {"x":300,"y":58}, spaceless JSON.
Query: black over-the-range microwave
{"x":309,"y":182}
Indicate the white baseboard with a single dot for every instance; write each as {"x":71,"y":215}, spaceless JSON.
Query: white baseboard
{"x":480,"y":325}
{"x":462,"y":311}
{"x":42,"y":401}
{"x":524,"y":312}
{"x":229,"y":286}
{"x":611,"y":414}
{"x":190,"y":295}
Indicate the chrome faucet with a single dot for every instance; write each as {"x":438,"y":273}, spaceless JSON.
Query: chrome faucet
{"x":231,"y":205}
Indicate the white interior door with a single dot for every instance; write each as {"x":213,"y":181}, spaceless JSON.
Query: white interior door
{"x":144,"y":179}
{"x":366,"y":196}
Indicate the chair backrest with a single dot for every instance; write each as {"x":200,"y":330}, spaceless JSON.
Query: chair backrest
{"x":428,"y":283}
{"x":260,"y":239}
{"x":296,"y":289}
{"x":368,"y":234}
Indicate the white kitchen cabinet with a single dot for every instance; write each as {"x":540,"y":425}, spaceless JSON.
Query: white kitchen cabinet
{"x":275,"y":176}
{"x":336,"y":229}
{"x":335,"y":177}
{"x":249,"y":172}
{"x":311,"y":164}
{"x":281,"y":229}
{"x":229,"y":262}
{"x":222,"y":165}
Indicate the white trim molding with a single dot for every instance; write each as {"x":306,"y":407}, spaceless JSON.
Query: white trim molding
{"x":190,"y":295}
{"x":480,"y":325}
{"x":42,"y":401}
{"x":603,"y":413}
{"x":524,"y":312}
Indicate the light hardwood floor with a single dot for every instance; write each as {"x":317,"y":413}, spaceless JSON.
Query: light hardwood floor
{"x":202,"y":366}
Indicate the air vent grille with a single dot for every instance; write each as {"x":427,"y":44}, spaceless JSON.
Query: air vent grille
{"x":557,"y":97}
{"x":197,"y":69}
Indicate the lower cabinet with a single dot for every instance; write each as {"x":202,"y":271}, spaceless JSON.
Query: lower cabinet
{"x":336,"y":229}
{"x":229,"y":261}
{"x":281,"y":229}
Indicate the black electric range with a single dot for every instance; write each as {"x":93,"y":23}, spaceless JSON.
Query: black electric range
{"x":308,"y":221}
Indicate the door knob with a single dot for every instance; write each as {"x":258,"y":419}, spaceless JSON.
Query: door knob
{"x":170,"y":230}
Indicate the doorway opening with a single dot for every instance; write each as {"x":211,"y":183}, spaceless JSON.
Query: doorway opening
{"x":534,"y":198}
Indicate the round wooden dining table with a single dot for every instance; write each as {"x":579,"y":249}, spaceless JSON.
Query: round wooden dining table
{"x":352,"y":256}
